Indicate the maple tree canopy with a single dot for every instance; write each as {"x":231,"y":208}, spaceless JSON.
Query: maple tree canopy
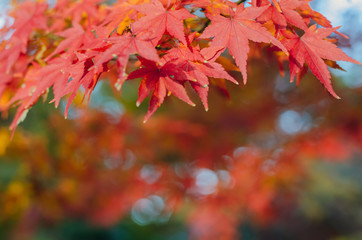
{"x":179,"y":44}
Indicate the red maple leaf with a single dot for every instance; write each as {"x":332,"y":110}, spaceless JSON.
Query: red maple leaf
{"x":235,"y":31}
{"x":308,"y":13}
{"x":128,"y":44}
{"x":37,"y":82}
{"x":73,"y":38}
{"x":122,"y":47}
{"x":77,"y":9}
{"x":214,"y":6}
{"x":158,"y":20}
{"x":197,"y":68}
{"x":158,"y":78}
{"x":29,"y":16}
{"x":312,"y":48}
{"x":281,"y":13}
{"x":9,"y":56}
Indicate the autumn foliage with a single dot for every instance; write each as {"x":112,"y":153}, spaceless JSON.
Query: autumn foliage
{"x":215,"y":170}
{"x":178,"y":44}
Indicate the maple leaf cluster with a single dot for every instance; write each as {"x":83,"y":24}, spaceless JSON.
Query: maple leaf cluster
{"x":179,"y":44}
